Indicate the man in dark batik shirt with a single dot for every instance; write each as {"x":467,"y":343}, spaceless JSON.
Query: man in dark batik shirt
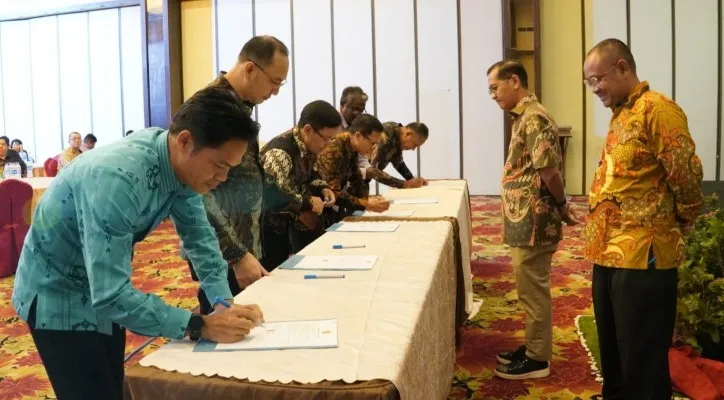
{"x":234,"y":208}
{"x":395,"y":139}
{"x":337,"y":165}
{"x":294,"y":193}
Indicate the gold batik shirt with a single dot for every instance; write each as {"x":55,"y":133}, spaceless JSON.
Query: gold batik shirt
{"x":647,"y":182}
{"x":531,"y":216}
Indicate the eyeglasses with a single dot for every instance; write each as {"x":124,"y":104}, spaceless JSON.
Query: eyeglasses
{"x":324,"y":139}
{"x":595,"y":80}
{"x":494,"y":87}
{"x":275,"y":82}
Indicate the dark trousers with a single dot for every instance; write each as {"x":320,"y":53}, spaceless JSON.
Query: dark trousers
{"x":635,"y":316}
{"x":82,"y":365}
{"x":279,"y":246}
{"x":205,"y":306}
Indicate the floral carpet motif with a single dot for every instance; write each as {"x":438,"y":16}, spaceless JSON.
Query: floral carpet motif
{"x":497,"y":327}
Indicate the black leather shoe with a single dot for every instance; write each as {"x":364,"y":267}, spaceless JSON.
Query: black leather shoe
{"x":515,"y":355}
{"x":527,"y":368}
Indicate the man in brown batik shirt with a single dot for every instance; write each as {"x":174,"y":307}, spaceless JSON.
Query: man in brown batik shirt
{"x":534,"y":203}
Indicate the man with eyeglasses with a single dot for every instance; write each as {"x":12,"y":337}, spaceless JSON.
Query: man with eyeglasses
{"x":338,"y":166}
{"x":534,"y":203}
{"x":646,"y":194}
{"x":294,"y":194}
{"x":235,"y":207}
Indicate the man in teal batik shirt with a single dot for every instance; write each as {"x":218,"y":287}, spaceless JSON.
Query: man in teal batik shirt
{"x":73,"y":283}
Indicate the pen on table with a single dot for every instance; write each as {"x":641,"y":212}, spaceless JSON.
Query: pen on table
{"x":330,"y":276}
{"x":219,"y":300}
{"x":344,"y":246}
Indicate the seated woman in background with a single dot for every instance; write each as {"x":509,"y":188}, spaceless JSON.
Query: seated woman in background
{"x":337,"y":165}
{"x":17,"y":145}
{"x":8,"y":155}
{"x":70,"y":152}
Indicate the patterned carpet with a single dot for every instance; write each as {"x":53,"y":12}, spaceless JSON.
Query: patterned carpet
{"x":498,"y":326}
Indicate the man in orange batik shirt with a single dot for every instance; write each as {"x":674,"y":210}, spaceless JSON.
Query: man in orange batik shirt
{"x":645,"y":195}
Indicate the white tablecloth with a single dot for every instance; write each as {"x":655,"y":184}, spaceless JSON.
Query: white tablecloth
{"x":395,"y":322}
{"x":453,"y":201}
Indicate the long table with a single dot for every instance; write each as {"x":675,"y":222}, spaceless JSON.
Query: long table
{"x":396,"y":322}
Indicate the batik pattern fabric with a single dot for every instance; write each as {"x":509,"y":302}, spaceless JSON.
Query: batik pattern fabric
{"x":290,"y":180}
{"x":389,"y":150}
{"x":337,"y":165}
{"x":647,"y":183}
{"x":67,"y":156}
{"x":531,"y":216}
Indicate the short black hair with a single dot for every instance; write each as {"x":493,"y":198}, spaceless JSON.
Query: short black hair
{"x":616,"y":47}
{"x":261,"y":50}
{"x":18,"y":141}
{"x":319,"y":114}
{"x":349,"y":91}
{"x":128,"y":132}
{"x":366,"y":124}
{"x":214,"y":116}
{"x":90,"y":138}
{"x":6,"y":139}
{"x":508,"y":68}
{"x":419,"y":128}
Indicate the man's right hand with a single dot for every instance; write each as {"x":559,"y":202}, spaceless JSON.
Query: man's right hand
{"x":248,"y":270}
{"x":413,"y":183}
{"x":229,"y":325}
{"x":377,"y":204}
{"x":317,"y":205}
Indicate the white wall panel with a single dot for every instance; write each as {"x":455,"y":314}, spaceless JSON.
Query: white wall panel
{"x":234,"y":27}
{"x":439,"y":93}
{"x":17,"y":83}
{"x":482,"y":118}
{"x":312,"y":51}
{"x":74,"y":74}
{"x":651,"y":42}
{"x":395,"y":67}
{"x":132,"y":68}
{"x":105,"y":72}
{"x":353,"y":48}
{"x":695,"y":95}
{"x":46,"y":87}
{"x":276,"y":115}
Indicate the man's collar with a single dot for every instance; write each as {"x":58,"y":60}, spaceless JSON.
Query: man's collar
{"x":168,"y":182}
{"x":297,"y":134}
{"x":638,"y":91}
{"x":522,"y":105}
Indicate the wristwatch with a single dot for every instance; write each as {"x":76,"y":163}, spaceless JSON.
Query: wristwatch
{"x":195,"y":326}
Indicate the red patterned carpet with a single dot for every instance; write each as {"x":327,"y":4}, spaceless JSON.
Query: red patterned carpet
{"x":498,"y":326}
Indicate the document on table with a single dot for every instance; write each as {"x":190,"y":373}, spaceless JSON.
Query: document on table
{"x":314,"y":334}
{"x":420,"y":200}
{"x":329,"y":263}
{"x":363,"y":227}
{"x":388,"y":213}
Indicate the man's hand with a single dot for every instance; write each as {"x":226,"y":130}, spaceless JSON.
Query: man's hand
{"x":569,"y":216}
{"x":329,"y":197}
{"x":308,"y":219}
{"x":377,"y":204}
{"x":414,"y":183}
{"x":317,"y":205}
{"x":424,"y":181}
{"x":248,"y":270}
{"x":229,"y":325}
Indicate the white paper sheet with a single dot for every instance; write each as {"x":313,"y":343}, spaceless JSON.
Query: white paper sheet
{"x":330,"y":263}
{"x":363,"y":227}
{"x":388,"y":213}
{"x":421,"y":200}
{"x":320,"y":334}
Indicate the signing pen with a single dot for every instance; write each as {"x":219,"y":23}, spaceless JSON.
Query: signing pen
{"x":331,"y":276}
{"x":342,"y":246}
{"x":219,"y":300}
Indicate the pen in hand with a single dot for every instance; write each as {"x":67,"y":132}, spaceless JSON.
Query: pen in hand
{"x":219,"y":300}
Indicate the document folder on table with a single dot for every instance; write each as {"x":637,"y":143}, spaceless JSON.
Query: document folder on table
{"x":282,"y":335}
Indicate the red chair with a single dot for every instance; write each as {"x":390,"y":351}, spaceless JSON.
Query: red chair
{"x":51,"y":166}
{"x":15,"y":203}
